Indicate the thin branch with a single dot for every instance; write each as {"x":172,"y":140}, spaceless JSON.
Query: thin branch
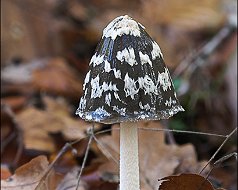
{"x":181,"y":131}
{"x":226,"y":157}
{"x":106,"y":130}
{"x":84,"y":161}
{"x":219,"y":161}
{"x":102,"y":147}
{"x":213,"y":156}
{"x":195,"y":60}
{"x":167,"y":130}
{"x":66,"y":147}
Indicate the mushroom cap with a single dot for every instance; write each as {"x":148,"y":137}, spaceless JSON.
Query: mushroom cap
{"x":127,"y":78}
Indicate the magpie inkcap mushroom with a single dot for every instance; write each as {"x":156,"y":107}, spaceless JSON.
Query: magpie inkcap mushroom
{"x":127,"y":81}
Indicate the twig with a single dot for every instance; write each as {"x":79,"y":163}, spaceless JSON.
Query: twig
{"x":84,"y":160}
{"x":66,"y":147}
{"x":167,"y":130}
{"x":190,"y":64}
{"x":219,"y":161}
{"x":226,"y":157}
{"x":105,"y":151}
{"x":106,"y":130}
{"x":213,"y":156}
{"x":170,"y":136}
{"x":181,"y":131}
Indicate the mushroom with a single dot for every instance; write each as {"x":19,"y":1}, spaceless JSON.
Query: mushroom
{"x":127,"y":81}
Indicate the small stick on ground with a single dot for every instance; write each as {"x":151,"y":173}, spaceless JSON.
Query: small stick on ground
{"x":182,"y":131}
{"x":213,"y":156}
{"x":219,"y":161}
{"x":188,"y":66}
{"x":85,"y":158}
{"x":102,"y":147}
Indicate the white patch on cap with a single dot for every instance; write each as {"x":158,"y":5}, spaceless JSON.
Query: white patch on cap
{"x":117,"y":73}
{"x":144,"y":58}
{"x":127,"y":55}
{"x":121,"y":111}
{"x":164,"y":80}
{"x":145,"y":107}
{"x":116,"y":95}
{"x":107,"y":68}
{"x":130,"y":86}
{"x":109,"y":87}
{"x":82,"y":103}
{"x":108,"y":99}
{"x":88,"y":117}
{"x":85,"y":92}
{"x":175,"y":95}
{"x":142,"y":116}
{"x":122,"y":25}
{"x":147,"y":85}
{"x":101,"y":112}
{"x":170,"y":102}
{"x":96,"y":88}
{"x":156,"y":51}
{"x":96,"y":60}
{"x":86,"y":80}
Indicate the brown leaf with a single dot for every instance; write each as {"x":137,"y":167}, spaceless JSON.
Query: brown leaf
{"x":185,"y":182}
{"x":27,"y":176}
{"x":57,"y":78}
{"x":53,"y":76}
{"x":15,"y":102}
{"x":38,"y":124}
{"x":186,"y":15}
{"x":70,"y":181}
{"x":102,"y":176}
{"x":5,"y":172}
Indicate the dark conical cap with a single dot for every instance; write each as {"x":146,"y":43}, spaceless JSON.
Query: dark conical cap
{"x":127,"y":78}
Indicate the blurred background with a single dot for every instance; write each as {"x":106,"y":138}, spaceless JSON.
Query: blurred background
{"x":46,"y":47}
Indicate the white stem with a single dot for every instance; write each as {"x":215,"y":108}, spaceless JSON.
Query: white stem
{"x":129,"y":158}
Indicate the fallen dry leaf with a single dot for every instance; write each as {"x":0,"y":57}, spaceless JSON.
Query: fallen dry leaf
{"x":57,"y":77}
{"x":101,"y":175}
{"x":27,"y":176}
{"x":5,"y":172}
{"x":53,"y":76}
{"x":157,"y":159}
{"x":185,"y":182}
{"x":70,"y":181}
{"x":37,"y":125}
{"x":15,"y":102}
{"x":187,"y":15}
